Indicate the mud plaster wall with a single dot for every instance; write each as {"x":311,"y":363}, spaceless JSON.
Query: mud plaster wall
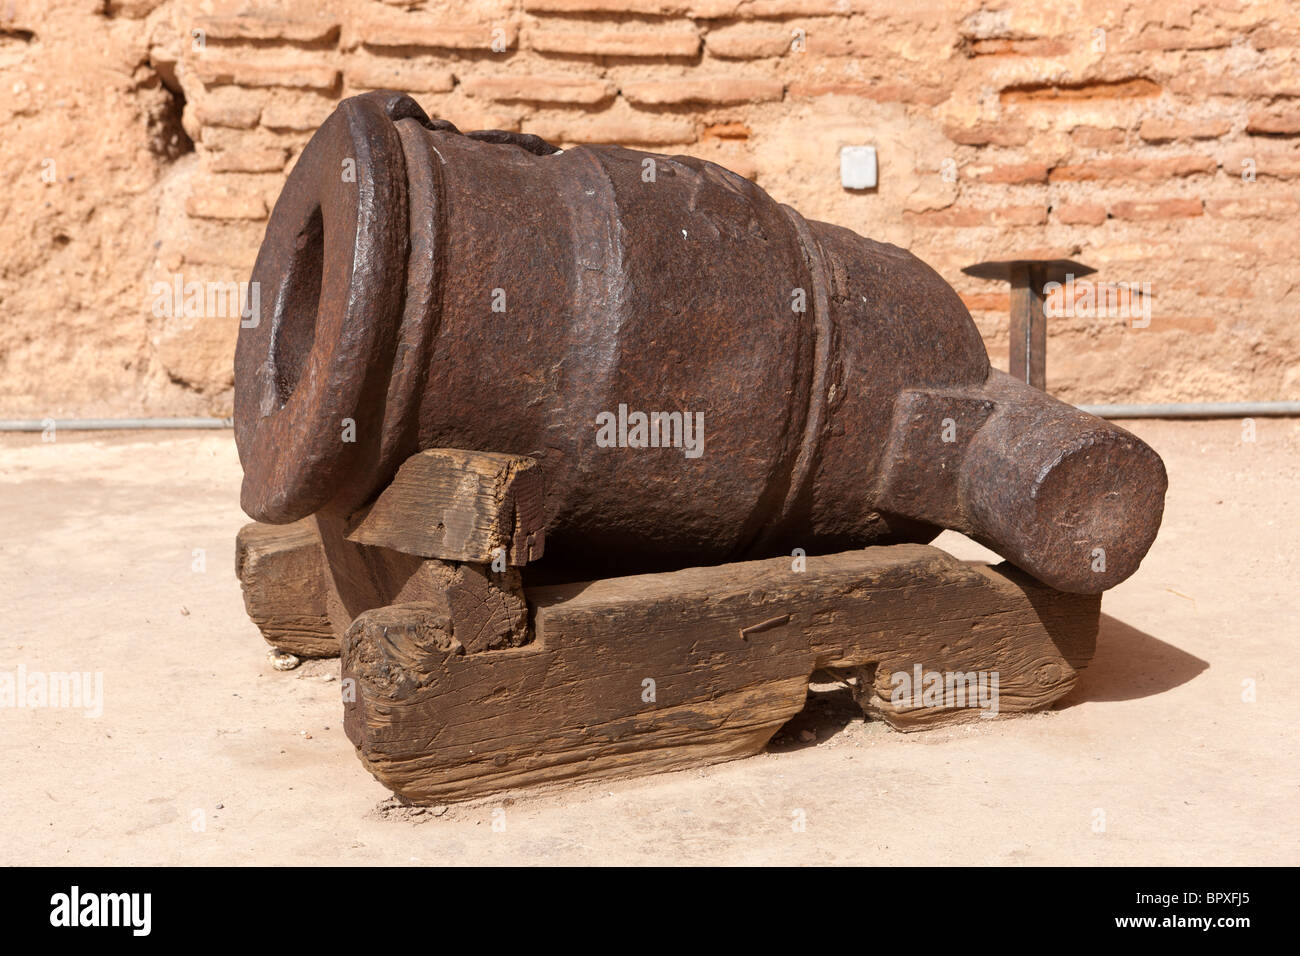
{"x":145,"y":139}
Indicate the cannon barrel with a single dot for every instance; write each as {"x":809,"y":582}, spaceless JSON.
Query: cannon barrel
{"x":426,"y":288}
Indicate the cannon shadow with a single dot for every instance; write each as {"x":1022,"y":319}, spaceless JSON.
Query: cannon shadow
{"x":1130,"y":664}
{"x":1126,"y":663}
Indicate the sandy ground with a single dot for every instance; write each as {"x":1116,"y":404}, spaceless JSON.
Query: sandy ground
{"x":204,"y":754}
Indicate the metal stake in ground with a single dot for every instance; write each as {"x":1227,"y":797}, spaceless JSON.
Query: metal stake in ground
{"x":1028,"y":358}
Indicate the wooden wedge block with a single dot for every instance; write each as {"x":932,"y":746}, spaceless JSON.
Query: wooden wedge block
{"x":664,"y":671}
{"x":282,"y":572}
{"x":451,"y":530}
{"x":458,"y":506}
{"x":487,"y":607}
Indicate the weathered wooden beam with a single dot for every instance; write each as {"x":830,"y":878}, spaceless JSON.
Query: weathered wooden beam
{"x":282,"y":572}
{"x":663,"y":671}
{"x":305,"y":582}
{"x":486,"y":606}
{"x":458,"y":505}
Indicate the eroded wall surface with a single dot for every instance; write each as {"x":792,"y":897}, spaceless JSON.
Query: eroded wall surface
{"x":146,"y":140}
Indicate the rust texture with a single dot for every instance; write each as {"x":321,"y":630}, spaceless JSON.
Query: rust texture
{"x":490,"y":292}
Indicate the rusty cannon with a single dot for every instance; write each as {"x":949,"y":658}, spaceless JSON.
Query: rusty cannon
{"x":660,"y":370}
{"x":493,"y":293}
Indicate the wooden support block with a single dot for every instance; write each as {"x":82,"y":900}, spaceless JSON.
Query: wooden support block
{"x":487,"y":608}
{"x":458,"y":506}
{"x":432,"y":537}
{"x":664,"y":671}
{"x":282,"y":572}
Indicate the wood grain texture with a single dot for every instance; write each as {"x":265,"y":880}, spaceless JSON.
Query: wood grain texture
{"x":458,"y":505}
{"x":729,"y":650}
{"x":282,"y":572}
{"x":486,"y":608}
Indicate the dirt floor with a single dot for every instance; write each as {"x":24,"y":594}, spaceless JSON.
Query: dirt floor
{"x":117,"y":557}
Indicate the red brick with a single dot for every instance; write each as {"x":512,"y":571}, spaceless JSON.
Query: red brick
{"x":1012,"y":173}
{"x":846,"y":40}
{"x":265,"y":160}
{"x":749,"y":41}
{"x":615,"y":126}
{"x":987,"y":301}
{"x":1276,"y":120}
{"x":1006,"y":46}
{"x":966,"y":216}
{"x":880,"y":92}
{"x":227,"y":249}
{"x":212,"y":204}
{"x":722,"y":90}
{"x":221,"y":72}
{"x":268,"y":28}
{"x":729,"y":131}
{"x":221,"y":139}
{"x":408,"y":74}
{"x":1095,"y":137}
{"x":1144,"y":170}
{"x":1156,"y":130}
{"x":1269,"y":161}
{"x":540,"y":88}
{"x":1147,"y":209}
{"x":985,"y":134}
{"x":304,"y":114}
{"x":229,"y":115}
{"x":410,"y":31}
{"x":1267,"y":38}
{"x":1201,"y":80}
{"x":469,"y":117}
{"x":1253,"y":207}
{"x":1080,"y":214}
{"x":678,"y":42}
{"x":1134,"y":88}
{"x":697,"y":9}
{"x":1153,"y":38}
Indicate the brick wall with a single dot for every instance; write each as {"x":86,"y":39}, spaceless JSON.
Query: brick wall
{"x":1158,"y":142}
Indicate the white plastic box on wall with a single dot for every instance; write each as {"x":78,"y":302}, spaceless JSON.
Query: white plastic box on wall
{"x":858,"y":167}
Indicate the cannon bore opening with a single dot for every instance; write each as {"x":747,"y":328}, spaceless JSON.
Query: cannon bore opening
{"x":294,"y":331}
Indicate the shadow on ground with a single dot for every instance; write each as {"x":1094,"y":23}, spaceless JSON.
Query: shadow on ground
{"x":1130,"y":664}
{"x":829,"y":709}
